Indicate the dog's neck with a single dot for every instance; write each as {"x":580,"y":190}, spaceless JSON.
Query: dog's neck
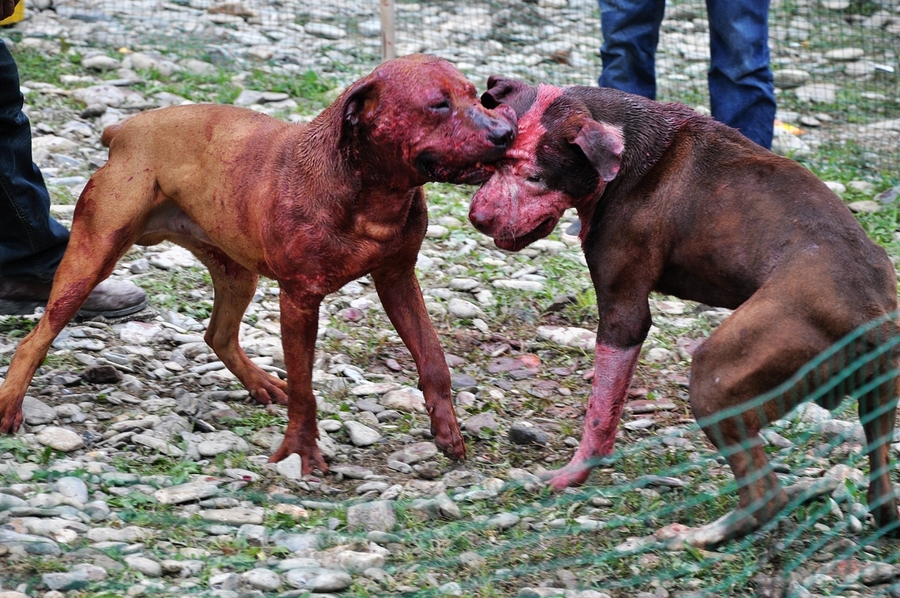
{"x":366,"y":190}
{"x":649,"y":129}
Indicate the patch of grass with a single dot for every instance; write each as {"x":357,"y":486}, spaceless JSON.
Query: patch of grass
{"x":17,"y":326}
{"x":48,"y":67}
{"x":21,"y":452}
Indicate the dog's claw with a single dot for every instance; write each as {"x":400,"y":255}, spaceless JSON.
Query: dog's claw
{"x":573,"y":474}
{"x":268,"y":390}
{"x":449,"y":441}
{"x":310,"y":456}
{"x":10,"y":420}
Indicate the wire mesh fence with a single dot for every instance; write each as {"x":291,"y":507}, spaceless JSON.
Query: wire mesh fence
{"x":835,"y":61}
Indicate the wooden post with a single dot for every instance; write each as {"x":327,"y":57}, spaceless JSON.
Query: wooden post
{"x":388,"y":30}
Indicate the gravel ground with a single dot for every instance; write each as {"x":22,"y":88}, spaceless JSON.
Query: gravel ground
{"x":141,"y":469}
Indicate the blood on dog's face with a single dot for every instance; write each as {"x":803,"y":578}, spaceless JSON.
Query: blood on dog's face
{"x":560,"y":158}
{"x":432,"y":120}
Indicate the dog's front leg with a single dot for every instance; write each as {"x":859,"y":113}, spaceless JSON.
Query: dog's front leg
{"x":613,"y":369}
{"x":401,"y":297}
{"x":299,"y":323}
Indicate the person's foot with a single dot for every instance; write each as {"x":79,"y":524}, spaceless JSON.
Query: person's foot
{"x":109,"y":299}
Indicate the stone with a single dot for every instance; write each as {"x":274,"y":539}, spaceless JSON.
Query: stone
{"x":523,"y":432}
{"x":189,"y":492}
{"x":290,"y":467}
{"x":146,"y":566}
{"x":263,"y":579}
{"x":234,"y":516}
{"x":415,"y":453}
{"x":407,"y":400}
{"x":74,"y":488}
{"x":790,"y":78}
{"x":361,"y":435}
{"x":36,"y":412}
{"x":377,"y":515}
{"x":569,"y":336}
{"x":817,"y":93}
{"x":317,"y":579}
{"x":157,"y":444}
{"x":502,"y":521}
{"x":438,"y":507}
{"x":531,"y":286}
{"x":481,"y":424}
{"x":60,"y":439}
{"x":324,"y":30}
{"x":865,"y":206}
{"x":463,"y":309}
{"x":36,"y":545}
{"x":78,"y":578}
{"x":8,"y":501}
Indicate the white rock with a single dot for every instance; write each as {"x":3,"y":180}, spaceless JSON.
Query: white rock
{"x":290,"y":467}
{"x":60,"y":439}
{"x":844,"y":54}
{"x":463,"y":309}
{"x":263,"y":579}
{"x":519,"y":285}
{"x":324,"y":30}
{"x":189,"y":492}
{"x":148,"y":567}
{"x":235,"y":516}
{"x":361,"y":435}
{"x":569,"y":336}
{"x":404,"y":399}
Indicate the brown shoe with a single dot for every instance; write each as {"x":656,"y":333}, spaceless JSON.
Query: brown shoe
{"x":109,"y":299}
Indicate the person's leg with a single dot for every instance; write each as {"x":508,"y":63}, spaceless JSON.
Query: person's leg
{"x":31,"y":242}
{"x":741,"y":88}
{"x":630,"y":35}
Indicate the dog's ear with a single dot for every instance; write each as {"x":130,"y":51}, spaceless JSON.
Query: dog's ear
{"x":360,"y":98}
{"x":603,"y":144}
{"x":516,"y":94}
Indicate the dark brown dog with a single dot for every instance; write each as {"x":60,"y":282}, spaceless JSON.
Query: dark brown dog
{"x":311,"y":206}
{"x":675,"y":202}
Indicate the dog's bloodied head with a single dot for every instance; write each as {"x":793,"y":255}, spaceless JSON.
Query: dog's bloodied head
{"x":561,"y":158}
{"x":422,"y":111}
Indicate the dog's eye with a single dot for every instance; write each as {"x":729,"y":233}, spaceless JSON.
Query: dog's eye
{"x":440,"y":106}
{"x":535,"y":178}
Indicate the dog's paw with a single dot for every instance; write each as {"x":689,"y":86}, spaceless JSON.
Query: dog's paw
{"x":450,"y":442}
{"x":10,"y":420}
{"x":310,"y":456}
{"x":573,"y":474}
{"x":268,"y":390}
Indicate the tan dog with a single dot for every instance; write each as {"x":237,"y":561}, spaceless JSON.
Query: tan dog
{"x":675,"y":202}
{"x":311,"y":206}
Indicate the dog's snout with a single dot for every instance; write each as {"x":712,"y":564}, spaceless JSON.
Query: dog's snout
{"x":499,"y":130}
{"x":480,"y":219}
{"x":501,"y":133}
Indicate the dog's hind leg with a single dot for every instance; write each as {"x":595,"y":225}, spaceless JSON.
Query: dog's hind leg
{"x":102,"y":232}
{"x":877,"y":412}
{"x":234,"y":288}
{"x":760,"y":346}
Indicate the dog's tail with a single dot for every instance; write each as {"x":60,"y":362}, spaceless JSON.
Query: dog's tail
{"x":109,"y":133}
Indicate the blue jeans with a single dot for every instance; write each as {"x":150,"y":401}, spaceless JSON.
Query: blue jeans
{"x":31,"y":242}
{"x":741,"y":88}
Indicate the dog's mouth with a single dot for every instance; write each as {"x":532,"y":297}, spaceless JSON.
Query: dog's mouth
{"x":434,"y":169}
{"x":539,"y":232}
